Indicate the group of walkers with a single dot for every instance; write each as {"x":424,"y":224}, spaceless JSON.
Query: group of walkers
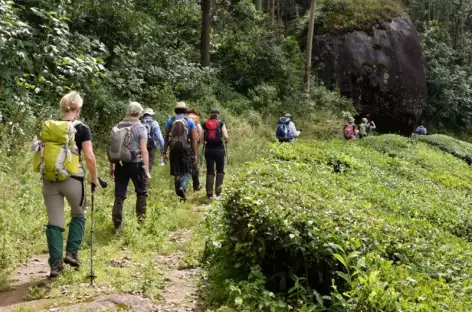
{"x":286,"y":131}
{"x":353,"y":131}
{"x":65,"y":143}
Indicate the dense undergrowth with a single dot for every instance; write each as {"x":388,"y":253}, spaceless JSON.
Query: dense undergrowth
{"x":381,"y":224}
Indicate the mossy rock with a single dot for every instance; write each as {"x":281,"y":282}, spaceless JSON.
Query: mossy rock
{"x":349,"y":15}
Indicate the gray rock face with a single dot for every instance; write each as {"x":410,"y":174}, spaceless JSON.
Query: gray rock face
{"x":383,"y":71}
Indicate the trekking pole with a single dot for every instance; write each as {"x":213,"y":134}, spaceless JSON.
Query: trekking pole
{"x":203,"y":155}
{"x":92,"y":276}
{"x":226,"y":152}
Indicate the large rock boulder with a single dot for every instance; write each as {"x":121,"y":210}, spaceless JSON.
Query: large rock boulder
{"x":382,"y":70}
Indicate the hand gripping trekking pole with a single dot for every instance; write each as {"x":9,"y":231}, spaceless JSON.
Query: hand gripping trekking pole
{"x":92,"y":274}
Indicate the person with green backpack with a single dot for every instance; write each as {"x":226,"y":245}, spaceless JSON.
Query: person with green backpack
{"x":58,"y":157}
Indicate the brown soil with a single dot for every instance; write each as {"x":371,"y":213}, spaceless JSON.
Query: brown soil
{"x":30,"y":272}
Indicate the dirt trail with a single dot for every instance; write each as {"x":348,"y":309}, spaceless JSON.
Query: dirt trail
{"x":32,"y":271}
{"x":180,"y":291}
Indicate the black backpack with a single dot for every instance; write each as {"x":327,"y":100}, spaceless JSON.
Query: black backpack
{"x":151,"y":142}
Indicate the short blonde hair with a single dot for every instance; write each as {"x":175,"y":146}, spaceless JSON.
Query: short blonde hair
{"x":70,"y":102}
{"x":134,"y":109}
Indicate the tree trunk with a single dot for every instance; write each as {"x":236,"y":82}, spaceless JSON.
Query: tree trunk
{"x":272,"y":10}
{"x":309,"y":46}
{"x":206,"y":30}
{"x":259,"y":5}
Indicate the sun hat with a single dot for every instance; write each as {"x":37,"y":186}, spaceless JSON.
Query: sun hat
{"x":181,"y":105}
{"x":215,"y":111}
{"x":148,"y":111}
{"x":134,"y":108}
{"x":288,"y":115}
{"x":351,"y":119}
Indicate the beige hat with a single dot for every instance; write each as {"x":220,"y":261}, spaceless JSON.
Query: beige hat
{"x":134,"y":108}
{"x":148,"y":111}
{"x":181,"y":105}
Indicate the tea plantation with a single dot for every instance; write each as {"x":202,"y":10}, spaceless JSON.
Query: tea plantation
{"x":382,"y":224}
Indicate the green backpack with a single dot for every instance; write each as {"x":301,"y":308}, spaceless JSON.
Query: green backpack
{"x":56,"y":154}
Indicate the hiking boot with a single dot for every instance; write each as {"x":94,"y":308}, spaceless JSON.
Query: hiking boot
{"x":218,"y":197}
{"x":197,"y":188}
{"x":72,"y":259}
{"x":56,"y":270}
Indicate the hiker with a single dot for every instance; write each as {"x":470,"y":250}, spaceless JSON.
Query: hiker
{"x":215,"y":136}
{"x":421,"y":130}
{"x":366,"y":127}
{"x":195,"y":116}
{"x":154,"y":135}
{"x":181,"y":138}
{"x":129,"y":160}
{"x":350,"y":130}
{"x":65,"y":140}
{"x":286,"y":130}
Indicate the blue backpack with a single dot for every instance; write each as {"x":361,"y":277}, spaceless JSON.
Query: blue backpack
{"x":282,"y":130}
{"x":421,"y":130}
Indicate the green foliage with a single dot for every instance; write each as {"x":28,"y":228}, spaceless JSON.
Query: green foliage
{"x":342,"y":15}
{"x":449,"y":81}
{"x":251,"y":52}
{"x":452,"y":146}
{"x":358,"y":223}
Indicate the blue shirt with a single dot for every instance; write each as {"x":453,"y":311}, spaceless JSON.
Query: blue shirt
{"x":156,"y":133}
{"x":190,"y":122}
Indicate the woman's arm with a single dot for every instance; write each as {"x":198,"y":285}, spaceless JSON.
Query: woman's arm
{"x":225,"y":133}
{"x":90,"y":161}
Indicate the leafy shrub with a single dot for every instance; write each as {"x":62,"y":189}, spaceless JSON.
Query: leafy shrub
{"x":460,"y":149}
{"x":371,"y":236}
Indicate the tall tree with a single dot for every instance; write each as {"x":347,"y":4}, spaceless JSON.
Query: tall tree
{"x":206,"y":30}
{"x":272,"y":10}
{"x":309,"y":46}
{"x":259,"y":5}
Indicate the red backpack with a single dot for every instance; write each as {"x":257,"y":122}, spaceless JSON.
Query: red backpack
{"x":213,"y":132}
{"x":349,"y":131}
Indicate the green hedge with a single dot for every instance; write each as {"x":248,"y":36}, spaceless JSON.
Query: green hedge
{"x":460,"y":149}
{"x":382,"y":224}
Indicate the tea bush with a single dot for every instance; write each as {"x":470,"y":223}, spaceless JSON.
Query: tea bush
{"x":460,"y":149}
{"x":380,"y":224}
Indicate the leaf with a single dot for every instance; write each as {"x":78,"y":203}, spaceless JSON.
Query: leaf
{"x":238,"y":301}
{"x":341,"y":259}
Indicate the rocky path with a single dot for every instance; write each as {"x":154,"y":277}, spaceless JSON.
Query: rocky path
{"x":178,"y":295}
{"x":32,"y":272}
{"x":180,"y":291}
